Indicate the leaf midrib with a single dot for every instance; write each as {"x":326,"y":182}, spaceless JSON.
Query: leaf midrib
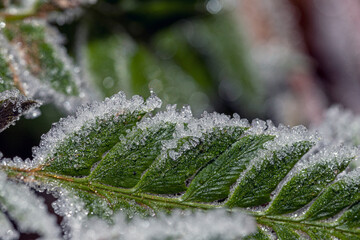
{"x":86,"y":185}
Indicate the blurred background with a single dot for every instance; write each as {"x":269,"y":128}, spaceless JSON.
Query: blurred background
{"x":284,"y":60}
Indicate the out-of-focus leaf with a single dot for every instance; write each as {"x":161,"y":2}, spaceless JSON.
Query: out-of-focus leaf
{"x":118,"y":63}
{"x":224,"y":51}
{"x":38,"y":66}
{"x":23,"y":207}
{"x":108,"y":62}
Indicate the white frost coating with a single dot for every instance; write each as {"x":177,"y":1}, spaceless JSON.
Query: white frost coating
{"x":208,"y":121}
{"x":71,"y":208}
{"x":171,"y":115}
{"x":14,"y":96}
{"x":284,"y":136}
{"x":198,"y":128}
{"x":17,"y":162}
{"x":7,"y":232}
{"x":87,"y":115}
{"x":179,"y":225}
{"x":29,"y":83}
{"x":331,"y":155}
{"x":340,"y":126}
{"x":27,"y":210}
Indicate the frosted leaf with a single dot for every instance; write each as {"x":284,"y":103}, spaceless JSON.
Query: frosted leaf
{"x":283,"y":137}
{"x":40,"y":68}
{"x":179,"y":225}
{"x":13,"y":105}
{"x":115,"y":157}
{"x":26,"y":209}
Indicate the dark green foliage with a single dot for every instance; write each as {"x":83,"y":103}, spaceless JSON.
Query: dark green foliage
{"x":214,"y":181}
{"x":169,"y":175}
{"x":125,"y":163}
{"x":306,"y":185}
{"x":263,"y":177}
{"x":75,"y":158}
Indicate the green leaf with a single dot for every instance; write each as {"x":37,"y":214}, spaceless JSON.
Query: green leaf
{"x":170,"y":174}
{"x":350,"y":217}
{"x":308,"y":182}
{"x":125,"y":163}
{"x":12,"y":106}
{"x":257,"y":184}
{"x":214,"y":181}
{"x":116,"y":156}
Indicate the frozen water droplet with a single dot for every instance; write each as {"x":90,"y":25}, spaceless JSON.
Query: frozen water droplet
{"x":108,"y":82}
{"x":33,"y":114}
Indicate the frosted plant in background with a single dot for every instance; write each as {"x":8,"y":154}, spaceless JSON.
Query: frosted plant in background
{"x":36,"y":69}
{"x":340,"y":126}
{"x":20,"y":205}
{"x":215,"y":224}
{"x":38,"y":66}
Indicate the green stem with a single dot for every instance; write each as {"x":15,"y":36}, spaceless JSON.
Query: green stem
{"x":129,"y":194}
